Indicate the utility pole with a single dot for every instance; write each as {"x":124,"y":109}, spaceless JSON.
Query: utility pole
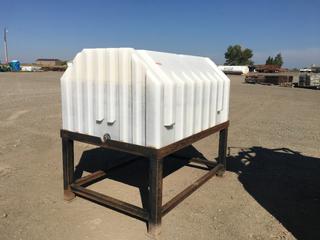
{"x":5,"y":46}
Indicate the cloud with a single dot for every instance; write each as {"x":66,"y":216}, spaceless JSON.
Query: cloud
{"x":292,"y":57}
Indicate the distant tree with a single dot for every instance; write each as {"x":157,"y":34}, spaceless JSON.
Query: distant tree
{"x":269,"y":61}
{"x":236,"y":55}
{"x":277,"y":61}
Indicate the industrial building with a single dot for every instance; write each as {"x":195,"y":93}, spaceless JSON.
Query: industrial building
{"x":48,"y":62}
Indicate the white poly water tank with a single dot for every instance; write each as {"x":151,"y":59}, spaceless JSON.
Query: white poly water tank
{"x":234,"y":69}
{"x":142,"y":97}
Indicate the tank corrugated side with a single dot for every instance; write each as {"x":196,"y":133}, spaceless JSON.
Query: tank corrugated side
{"x":142,"y":97}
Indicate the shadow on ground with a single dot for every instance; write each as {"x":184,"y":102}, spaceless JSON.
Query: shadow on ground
{"x":130,"y":169}
{"x":286,"y":183}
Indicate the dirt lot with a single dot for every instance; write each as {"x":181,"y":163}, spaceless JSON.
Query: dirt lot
{"x":271,"y":189}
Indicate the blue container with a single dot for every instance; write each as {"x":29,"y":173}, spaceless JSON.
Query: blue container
{"x":15,"y":66}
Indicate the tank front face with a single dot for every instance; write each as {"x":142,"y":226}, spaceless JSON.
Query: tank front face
{"x":97,"y":94}
{"x":142,"y":97}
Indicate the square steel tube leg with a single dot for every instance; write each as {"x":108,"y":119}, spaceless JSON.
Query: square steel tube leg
{"x":155,"y":196}
{"x":223,"y":138}
{"x":68,"y":167}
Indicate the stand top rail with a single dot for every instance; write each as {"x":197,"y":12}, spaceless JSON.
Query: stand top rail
{"x":144,"y":151}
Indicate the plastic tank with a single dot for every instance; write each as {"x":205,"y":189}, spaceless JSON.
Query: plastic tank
{"x":234,"y":69}
{"x":15,"y":65}
{"x":142,"y":97}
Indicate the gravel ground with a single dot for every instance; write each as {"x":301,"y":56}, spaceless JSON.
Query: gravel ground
{"x":270,"y":191}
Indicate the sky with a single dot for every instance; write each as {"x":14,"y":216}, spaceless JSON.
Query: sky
{"x":60,"y":29}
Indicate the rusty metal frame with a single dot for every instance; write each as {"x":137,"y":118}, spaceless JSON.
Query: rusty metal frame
{"x":153,"y":214}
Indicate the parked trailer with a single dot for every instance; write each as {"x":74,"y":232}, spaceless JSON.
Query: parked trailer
{"x":30,"y":68}
{"x":270,"y":79}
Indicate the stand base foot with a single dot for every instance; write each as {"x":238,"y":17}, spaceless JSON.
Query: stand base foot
{"x":220,"y":173}
{"x":151,"y":236}
{"x":68,"y":195}
{"x":154,"y":232}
